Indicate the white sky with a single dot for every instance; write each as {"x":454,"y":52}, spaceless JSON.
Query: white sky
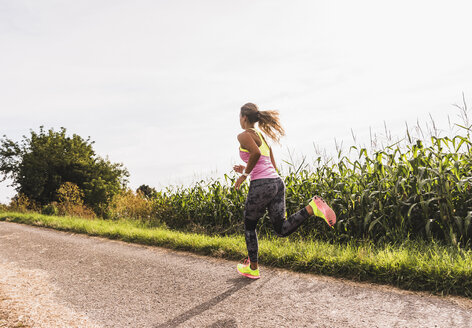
{"x":158,"y":84}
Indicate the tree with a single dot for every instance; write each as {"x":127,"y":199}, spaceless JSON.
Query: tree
{"x":147,"y":191}
{"x":41,"y":163}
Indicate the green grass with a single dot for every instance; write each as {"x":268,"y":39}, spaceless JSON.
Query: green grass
{"x":415,"y":265}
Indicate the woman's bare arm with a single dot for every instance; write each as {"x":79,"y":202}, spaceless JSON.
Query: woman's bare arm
{"x":247,"y":142}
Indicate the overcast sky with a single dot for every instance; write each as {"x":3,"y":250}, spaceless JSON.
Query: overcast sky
{"x":158,"y":84}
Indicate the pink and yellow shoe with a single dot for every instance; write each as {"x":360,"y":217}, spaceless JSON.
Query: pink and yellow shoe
{"x":321,"y":209}
{"x":245,"y":270}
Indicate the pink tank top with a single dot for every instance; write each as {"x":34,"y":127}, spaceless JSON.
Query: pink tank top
{"x":264,"y":168}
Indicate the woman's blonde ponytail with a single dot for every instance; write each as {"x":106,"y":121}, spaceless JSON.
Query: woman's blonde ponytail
{"x":268,"y":120}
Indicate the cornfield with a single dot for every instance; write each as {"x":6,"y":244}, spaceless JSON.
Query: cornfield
{"x":405,"y":190}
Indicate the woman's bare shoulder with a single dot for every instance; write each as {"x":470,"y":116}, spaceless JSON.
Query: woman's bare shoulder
{"x":243,"y":134}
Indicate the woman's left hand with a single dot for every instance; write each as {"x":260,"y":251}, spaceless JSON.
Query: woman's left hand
{"x":239,"y":168}
{"x":240,"y":181}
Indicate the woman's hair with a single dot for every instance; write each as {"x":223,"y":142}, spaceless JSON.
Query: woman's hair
{"x":268,"y":120}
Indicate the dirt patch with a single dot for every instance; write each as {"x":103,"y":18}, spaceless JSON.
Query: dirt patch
{"x":27,"y":300}
{"x":9,"y":316}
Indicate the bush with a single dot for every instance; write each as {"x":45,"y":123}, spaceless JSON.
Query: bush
{"x":147,"y":191}
{"x":77,"y":210}
{"x":71,"y":201}
{"x":21,"y":203}
{"x":50,"y":209}
{"x":128,"y":204}
{"x":70,"y":194}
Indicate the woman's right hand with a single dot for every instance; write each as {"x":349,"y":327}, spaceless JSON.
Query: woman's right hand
{"x":239,"y":168}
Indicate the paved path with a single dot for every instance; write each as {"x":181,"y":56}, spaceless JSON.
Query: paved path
{"x":106,"y":283}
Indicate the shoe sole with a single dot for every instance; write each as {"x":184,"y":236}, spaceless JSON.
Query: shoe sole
{"x":248,"y":275}
{"x":330,"y":216}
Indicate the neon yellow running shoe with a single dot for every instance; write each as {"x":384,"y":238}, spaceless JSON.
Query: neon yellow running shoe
{"x":321,"y":209}
{"x":245,"y":270}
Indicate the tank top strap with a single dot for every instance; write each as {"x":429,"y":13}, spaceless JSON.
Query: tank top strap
{"x":264,"y":147}
{"x":262,"y":138}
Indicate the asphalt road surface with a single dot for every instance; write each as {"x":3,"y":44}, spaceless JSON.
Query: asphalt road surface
{"x":56,"y":279}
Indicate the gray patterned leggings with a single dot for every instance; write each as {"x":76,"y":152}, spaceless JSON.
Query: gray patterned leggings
{"x":268,"y":194}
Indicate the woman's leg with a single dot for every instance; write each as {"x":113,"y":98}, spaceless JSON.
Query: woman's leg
{"x":260,"y":194}
{"x":251,"y":241}
{"x":284,"y":227}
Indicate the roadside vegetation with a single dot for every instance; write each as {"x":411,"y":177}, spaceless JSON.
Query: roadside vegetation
{"x":46,"y":162}
{"x":404,"y":210}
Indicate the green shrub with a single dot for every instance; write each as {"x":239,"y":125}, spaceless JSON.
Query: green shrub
{"x":130,"y":205}
{"x":50,"y":209}
{"x":21,"y":203}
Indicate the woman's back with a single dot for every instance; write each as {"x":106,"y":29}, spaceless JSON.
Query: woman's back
{"x":264,"y":168}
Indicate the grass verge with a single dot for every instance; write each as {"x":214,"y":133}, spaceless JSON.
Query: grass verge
{"x":411,"y":265}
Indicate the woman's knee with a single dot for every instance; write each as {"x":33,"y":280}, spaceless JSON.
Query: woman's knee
{"x":279,"y":229}
{"x":250,"y":225}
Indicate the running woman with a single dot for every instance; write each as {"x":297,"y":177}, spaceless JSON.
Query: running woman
{"x":267,"y":189}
